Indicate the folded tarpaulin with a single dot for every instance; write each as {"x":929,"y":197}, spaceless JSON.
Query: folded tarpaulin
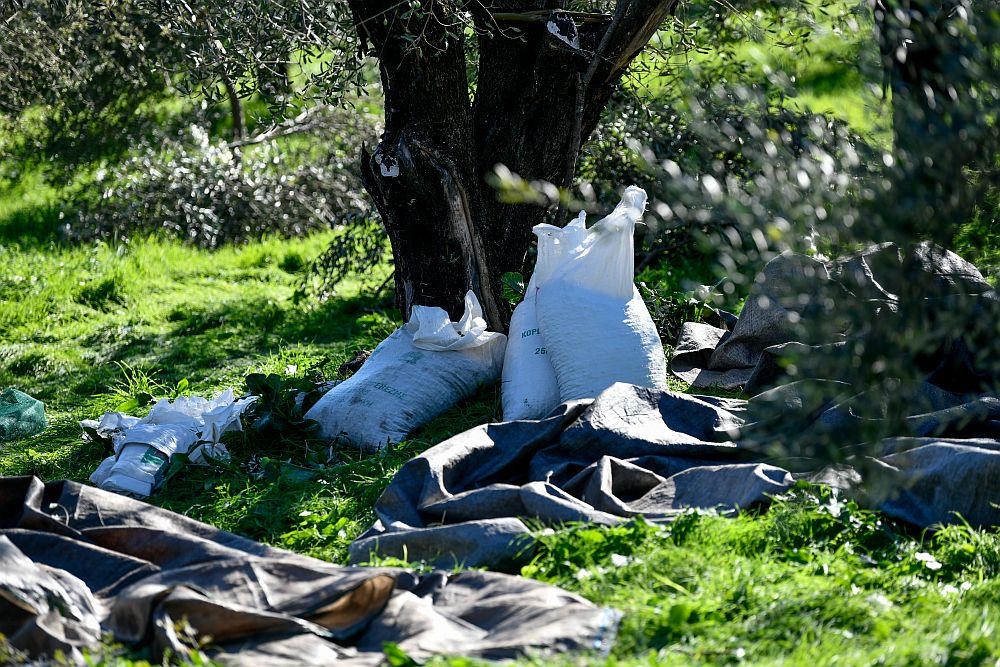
{"x":638,"y":451}
{"x":76,"y":561}
{"x":635,"y":451}
{"x":860,"y":290}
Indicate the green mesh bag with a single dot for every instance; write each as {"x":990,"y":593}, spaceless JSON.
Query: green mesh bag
{"x":20,"y":415}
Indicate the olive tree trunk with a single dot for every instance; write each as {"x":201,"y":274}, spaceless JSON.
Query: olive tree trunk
{"x":536,"y":63}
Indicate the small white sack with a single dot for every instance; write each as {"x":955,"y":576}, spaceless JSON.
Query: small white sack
{"x":529,"y":389}
{"x":597,"y":329}
{"x":189,"y":425}
{"x":422,"y":369}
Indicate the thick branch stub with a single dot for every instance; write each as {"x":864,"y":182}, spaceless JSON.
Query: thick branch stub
{"x":562,"y":27}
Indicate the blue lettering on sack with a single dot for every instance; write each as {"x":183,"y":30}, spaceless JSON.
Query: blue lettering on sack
{"x":530,"y":332}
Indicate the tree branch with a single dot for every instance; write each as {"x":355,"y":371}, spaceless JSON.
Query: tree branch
{"x":633,"y":25}
{"x":542,"y":15}
{"x":304,"y":122}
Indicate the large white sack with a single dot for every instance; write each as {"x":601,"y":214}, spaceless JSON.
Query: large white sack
{"x":597,"y":329}
{"x":419,"y":371}
{"x":529,"y":389}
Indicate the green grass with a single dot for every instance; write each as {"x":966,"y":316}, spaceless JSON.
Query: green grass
{"x":812,"y":581}
{"x":29,"y":209}
{"x":69,"y":315}
{"x":84,"y":329}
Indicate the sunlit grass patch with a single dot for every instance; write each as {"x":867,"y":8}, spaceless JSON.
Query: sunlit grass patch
{"x":812,"y":580}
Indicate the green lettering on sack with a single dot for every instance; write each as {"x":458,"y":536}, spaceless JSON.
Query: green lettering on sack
{"x":530,"y":332}
{"x":151,"y":457}
{"x":392,"y":391}
{"x":413,"y":357}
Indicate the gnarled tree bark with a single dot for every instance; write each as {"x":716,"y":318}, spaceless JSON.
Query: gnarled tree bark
{"x":449,"y":234}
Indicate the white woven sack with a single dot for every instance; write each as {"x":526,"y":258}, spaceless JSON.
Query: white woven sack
{"x":422,"y":369}
{"x":596,"y":327}
{"x":529,"y":389}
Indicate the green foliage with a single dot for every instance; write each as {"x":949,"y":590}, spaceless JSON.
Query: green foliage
{"x":207,"y":193}
{"x":279,"y":412}
{"x":83,"y":80}
{"x":735,"y":169}
{"x":136,"y":388}
{"x":513,"y":288}
{"x":670,"y":308}
{"x":816,"y":55}
{"x":92,"y":65}
{"x":288,"y":51}
{"x":979,"y":239}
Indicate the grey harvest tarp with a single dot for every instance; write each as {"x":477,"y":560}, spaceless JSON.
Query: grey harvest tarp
{"x":76,"y":561}
{"x":635,"y":451}
{"x":794,"y":288}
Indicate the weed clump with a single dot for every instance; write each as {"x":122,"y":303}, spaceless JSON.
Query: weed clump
{"x":104,"y":293}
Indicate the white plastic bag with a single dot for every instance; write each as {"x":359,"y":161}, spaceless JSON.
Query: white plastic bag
{"x":190,"y":425}
{"x":422,"y":369}
{"x":596,"y":328}
{"x":529,"y":389}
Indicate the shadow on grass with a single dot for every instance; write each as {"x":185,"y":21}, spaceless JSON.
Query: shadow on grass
{"x":203,"y":345}
{"x":293,"y":492}
{"x":32,"y":226}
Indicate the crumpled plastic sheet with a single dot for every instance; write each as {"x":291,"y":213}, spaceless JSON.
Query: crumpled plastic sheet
{"x":190,"y":425}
